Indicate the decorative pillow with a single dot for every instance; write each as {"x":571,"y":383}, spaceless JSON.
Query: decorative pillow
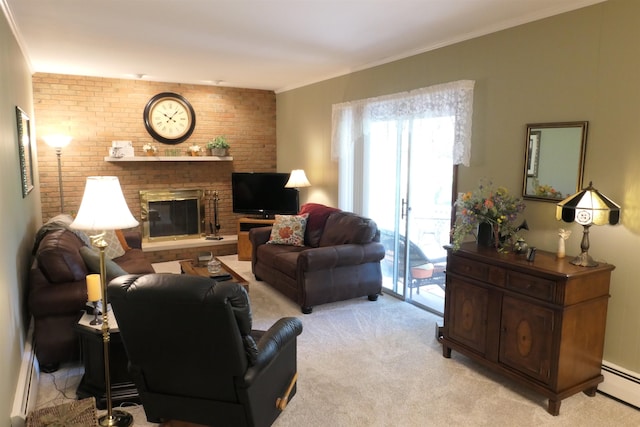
{"x":288,"y":230}
{"x":318,"y":215}
{"x":92,"y":259}
{"x":115,"y":249}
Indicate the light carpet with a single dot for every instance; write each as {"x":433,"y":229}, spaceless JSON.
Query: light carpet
{"x":364,"y":363}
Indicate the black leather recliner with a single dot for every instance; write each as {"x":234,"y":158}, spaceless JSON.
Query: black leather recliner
{"x":193,"y":355}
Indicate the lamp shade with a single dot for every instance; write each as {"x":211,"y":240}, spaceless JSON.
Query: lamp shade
{"x":57,"y":141}
{"x":588,"y":207}
{"x":297,"y":179}
{"x":103,"y":206}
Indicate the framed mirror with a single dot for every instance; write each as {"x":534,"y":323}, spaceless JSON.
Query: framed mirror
{"x":554,"y":160}
{"x":24,"y":150}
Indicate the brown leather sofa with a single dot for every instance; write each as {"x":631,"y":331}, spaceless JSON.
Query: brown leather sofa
{"x":58,"y":291}
{"x":340,"y":259}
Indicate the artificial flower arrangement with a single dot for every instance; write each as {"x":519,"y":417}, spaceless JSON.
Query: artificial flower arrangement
{"x":486,"y":204}
{"x":194,"y":149}
{"x":149,"y":149}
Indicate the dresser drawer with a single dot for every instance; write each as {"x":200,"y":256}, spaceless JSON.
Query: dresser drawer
{"x":477,"y":270}
{"x":534,"y":286}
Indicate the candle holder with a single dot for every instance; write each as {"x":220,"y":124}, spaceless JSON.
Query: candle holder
{"x":96,"y":320}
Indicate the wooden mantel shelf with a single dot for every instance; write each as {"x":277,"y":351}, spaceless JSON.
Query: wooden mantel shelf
{"x":169,"y":159}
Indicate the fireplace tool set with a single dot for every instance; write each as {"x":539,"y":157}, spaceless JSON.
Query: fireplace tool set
{"x":212,"y":206}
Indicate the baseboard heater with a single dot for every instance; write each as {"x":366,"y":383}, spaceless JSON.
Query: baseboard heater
{"x":620,"y":384}
{"x":26,"y":395}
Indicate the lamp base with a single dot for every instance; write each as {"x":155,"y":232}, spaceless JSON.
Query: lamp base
{"x":117,"y":419}
{"x":584,"y":260}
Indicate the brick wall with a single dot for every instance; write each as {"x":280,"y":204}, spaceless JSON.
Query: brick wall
{"x":96,"y":111}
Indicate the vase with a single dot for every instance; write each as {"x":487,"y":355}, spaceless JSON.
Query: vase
{"x":221,"y":152}
{"x":488,"y":235}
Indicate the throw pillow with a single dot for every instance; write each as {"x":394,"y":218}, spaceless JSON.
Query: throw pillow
{"x":92,"y":259}
{"x":318,"y":215}
{"x":115,"y":249}
{"x":288,"y":230}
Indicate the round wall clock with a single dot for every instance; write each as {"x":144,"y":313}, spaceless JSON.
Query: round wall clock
{"x":169,"y":118}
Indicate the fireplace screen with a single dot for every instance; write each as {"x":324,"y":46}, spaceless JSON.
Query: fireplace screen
{"x":172,"y":214}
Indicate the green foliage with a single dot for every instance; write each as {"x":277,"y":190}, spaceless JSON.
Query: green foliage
{"x":218,"y":142}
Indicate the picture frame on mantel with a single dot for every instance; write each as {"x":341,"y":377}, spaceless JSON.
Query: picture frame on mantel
{"x":24,"y":151}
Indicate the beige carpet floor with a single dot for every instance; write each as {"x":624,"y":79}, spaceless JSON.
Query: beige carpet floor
{"x":365,"y":363}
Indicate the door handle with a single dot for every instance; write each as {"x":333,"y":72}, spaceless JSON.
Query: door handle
{"x":403,"y":210}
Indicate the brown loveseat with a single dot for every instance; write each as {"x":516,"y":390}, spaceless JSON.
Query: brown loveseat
{"x":57,"y":286}
{"x":340,"y":259}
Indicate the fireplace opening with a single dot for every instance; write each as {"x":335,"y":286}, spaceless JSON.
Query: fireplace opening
{"x":172,"y":214}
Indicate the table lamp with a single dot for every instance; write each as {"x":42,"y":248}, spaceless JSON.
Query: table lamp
{"x":587,"y":207}
{"x":297,"y":179}
{"x":103,"y":207}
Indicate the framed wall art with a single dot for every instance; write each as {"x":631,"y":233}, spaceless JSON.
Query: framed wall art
{"x":24,"y":149}
{"x":534,"y":153}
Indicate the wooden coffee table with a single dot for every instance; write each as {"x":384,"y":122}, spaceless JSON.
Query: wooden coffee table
{"x":193,"y":268}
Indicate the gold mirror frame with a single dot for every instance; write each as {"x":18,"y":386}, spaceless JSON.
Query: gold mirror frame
{"x":554,"y":160}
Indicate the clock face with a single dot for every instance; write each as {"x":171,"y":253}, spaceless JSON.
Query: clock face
{"x":169,"y":118}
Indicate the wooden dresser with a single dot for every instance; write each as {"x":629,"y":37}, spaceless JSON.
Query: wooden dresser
{"x":540,"y":323}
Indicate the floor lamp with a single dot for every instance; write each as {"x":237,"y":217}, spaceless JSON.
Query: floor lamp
{"x":104,"y":208}
{"x":58,"y":142}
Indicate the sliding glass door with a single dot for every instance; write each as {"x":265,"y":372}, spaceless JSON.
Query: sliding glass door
{"x":396,"y":157}
{"x":408,"y":192}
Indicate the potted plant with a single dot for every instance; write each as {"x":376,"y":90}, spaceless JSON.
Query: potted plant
{"x":194,"y":150}
{"x":218,"y":146}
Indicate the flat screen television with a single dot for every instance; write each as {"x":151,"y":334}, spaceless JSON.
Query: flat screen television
{"x":263,"y":194}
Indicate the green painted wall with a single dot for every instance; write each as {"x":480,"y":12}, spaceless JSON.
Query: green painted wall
{"x":20,"y":217}
{"x":581,"y":65}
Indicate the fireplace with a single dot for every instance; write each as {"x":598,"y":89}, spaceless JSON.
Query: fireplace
{"x":172,"y":214}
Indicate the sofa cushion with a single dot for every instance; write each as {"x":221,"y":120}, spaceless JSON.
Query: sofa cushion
{"x":92,"y":259}
{"x":134,"y":262}
{"x":283,"y":258}
{"x":59,"y":258}
{"x":346,"y":227}
{"x":288,"y":230}
{"x":59,"y":222}
{"x":318,"y":215}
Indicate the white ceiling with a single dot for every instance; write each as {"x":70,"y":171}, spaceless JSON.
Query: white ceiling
{"x":263,"y":44}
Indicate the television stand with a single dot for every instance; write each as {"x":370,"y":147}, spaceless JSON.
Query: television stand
{"x":244,"y":244}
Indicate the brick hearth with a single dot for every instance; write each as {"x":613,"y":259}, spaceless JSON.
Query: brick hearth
{"x":172,"y":250}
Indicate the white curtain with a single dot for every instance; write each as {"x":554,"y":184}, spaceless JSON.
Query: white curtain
{"x":351,"y":123}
